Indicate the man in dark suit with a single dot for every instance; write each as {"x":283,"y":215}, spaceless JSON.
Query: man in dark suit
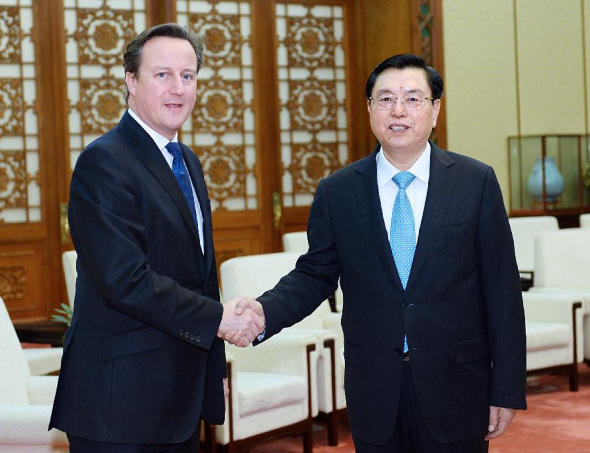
{"x":432,"y":315}
{"x":142,"y":361}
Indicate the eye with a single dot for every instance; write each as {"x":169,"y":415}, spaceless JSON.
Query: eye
{"x":161,"y":75}
{"x":385,"y":99}
{"x":188,"y":77}
{"x":413,"y":99}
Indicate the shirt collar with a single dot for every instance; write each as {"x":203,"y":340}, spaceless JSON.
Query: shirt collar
{"x":386,"y":170}
{"x":160,"y":140}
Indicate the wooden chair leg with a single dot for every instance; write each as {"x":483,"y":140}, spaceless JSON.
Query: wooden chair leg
{"x":332,"y":426}
{"x":308,"y":441}
{"x":574,"y":378}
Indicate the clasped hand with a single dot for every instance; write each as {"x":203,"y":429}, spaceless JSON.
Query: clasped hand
{"x":242,"y":321}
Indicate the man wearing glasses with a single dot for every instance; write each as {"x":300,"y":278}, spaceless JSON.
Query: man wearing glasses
{"x":433,"y":317}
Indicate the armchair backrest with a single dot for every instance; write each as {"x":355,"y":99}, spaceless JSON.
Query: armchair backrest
{"x":254,"y":274}
{"x":15,"y":370}
{"x":562,"y":259}
{"x":295,"y":242}
{"x":524,"y":232}
{"x":70,"y":273}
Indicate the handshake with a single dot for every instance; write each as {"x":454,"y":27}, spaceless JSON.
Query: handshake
{"x":242,"y":321}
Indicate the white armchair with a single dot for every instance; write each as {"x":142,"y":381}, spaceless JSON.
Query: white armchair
{"x":25,"y":400}
{"x":297,"y":243}
{"x":40,"y":360}
{"x":254,"y":274}
{"x":68,"y":259}
{"x":524,"y":232}
{"x":270,"y":394}
{"x":584,"y":220}
{"x":562,"y":265}
{"x":553,"y":328}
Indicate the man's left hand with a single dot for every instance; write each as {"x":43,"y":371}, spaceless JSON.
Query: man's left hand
{"x":500,"y":418}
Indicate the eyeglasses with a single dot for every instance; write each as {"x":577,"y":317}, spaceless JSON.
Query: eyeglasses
{"x":410,"y":101}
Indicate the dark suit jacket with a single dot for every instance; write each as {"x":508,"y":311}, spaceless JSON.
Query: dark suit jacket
{"x":141,"y":361}
{"x":462,"y":309}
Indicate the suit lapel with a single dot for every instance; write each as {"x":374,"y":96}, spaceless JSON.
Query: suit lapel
{"x":369,"y":209}
{"x":152,"y":158}
{"x":440,"y":188}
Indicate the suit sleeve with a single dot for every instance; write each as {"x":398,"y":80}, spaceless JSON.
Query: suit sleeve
{"x":314,"y":278}
{"x":109,"y":232}
{"x":503,"y":296}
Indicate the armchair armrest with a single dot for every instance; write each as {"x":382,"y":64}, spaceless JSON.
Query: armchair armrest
{"x":551,"y":306}
{"x":282,"y":354}
{"x":27,"y":425}
{"x":41,"y":390}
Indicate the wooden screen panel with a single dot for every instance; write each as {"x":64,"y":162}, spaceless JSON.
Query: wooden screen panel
{"x":20,"y":192}
{"x":96,"y":34}
{"x":222,"y":125}
{"x":312,"y":91}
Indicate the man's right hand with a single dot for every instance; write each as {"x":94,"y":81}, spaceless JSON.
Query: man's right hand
{"x":242,"y":321}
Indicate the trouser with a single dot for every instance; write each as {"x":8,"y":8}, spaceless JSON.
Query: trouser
{"x":410,"y":434}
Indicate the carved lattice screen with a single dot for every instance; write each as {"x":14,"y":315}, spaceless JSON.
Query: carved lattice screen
{"x":96,"y":33}
{"x":20,"y":192}
{"x":221,"y":129}
{"x":312,"y":93}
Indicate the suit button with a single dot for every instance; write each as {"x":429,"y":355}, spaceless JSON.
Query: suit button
{"x":186,"y":335}
{"x":192,"y":337}
{"x":181,"y":333}
{"x":197,"y":339}
{"x":407,"y":306}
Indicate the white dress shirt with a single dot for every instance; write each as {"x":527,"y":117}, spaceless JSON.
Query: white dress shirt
{"x":416,"y":191}
{"x":161,"y":143}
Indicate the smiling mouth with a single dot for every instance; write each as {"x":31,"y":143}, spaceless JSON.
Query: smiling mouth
{"x":398,"y":128}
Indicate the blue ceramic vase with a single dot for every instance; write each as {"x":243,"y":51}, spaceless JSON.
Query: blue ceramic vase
{"x":553,"y":181}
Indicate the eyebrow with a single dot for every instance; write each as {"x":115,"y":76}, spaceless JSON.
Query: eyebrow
{"x":168,"y":68}
{"x":409,"y":91}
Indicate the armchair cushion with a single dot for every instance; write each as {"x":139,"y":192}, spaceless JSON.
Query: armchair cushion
{"x":546,"y":335}
{"x":260,"y":392}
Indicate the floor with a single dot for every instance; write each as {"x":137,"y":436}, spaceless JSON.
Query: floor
{"x":556,"y":421}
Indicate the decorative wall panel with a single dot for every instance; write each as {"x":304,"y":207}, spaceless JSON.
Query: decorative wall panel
{"x":222,"y":127}
{"x":96,"y":34}
{"x":312,"y":93}
{"x":20,"y":191}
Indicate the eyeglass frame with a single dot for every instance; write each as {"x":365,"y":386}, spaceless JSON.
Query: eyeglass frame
{"x":395,"y":99}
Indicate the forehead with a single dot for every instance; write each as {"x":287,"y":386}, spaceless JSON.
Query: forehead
{"x":402,"y":81}
{"x":165,"y":50}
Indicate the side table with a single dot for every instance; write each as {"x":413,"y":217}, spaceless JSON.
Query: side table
{"x":46,"y":332}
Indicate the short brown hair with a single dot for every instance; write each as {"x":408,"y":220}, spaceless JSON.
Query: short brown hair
{"x":132,"y":52}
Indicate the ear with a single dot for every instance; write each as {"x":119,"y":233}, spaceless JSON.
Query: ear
{"x":435,"y":111}
{"x":369,"y":106}
{"x":130,"y":81}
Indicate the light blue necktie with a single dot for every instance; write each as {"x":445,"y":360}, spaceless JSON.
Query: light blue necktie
{"x":183,"y":178}
{"x":402,"y":236}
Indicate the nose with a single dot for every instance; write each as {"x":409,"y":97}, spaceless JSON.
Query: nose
{"x":176,"y":86}
{"x":398,"y":109}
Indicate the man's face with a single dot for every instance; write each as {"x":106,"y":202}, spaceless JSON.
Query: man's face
{"x":403,"y":133}
{"x":164,"y":90}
